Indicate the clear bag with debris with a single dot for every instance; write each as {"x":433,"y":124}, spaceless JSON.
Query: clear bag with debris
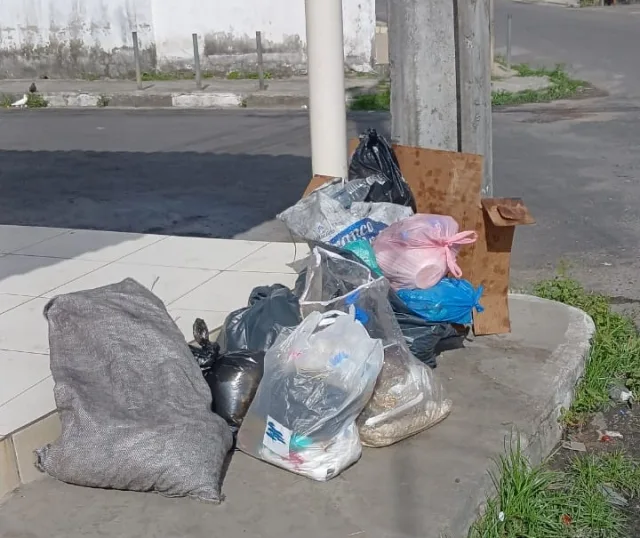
{"x":316,"y":382}
{"x":408,"y":397}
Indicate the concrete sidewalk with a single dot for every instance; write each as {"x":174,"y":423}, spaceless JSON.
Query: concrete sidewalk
{"x":428,"y":486}
{"x":216,"y":93}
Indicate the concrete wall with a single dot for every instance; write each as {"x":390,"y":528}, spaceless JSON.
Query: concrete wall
{"x":81,"y":38}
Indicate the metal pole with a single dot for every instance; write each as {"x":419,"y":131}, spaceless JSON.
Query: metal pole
{"x":260,"y":61}
{"x":327,"y":104}
{"x":196,"y":61}
{"x":509,"y":41}
{"x":136,"y":59}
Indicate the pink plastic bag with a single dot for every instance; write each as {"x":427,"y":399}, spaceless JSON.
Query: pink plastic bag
{"x":419,"y":251}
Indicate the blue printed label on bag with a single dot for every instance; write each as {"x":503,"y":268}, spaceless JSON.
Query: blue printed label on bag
{"x":277,"y":438}
{"x":366,"y":229}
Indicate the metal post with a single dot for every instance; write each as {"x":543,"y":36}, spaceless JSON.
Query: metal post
{"x":509,"y":41}
{"x":260,"y":61}
{"x":136,"y":59}
{"x":327,"y":104}
{"x":196,"y":61}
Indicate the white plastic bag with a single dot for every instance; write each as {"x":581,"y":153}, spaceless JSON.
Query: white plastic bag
{"x":319,"y":217}
{"x":316,"y":382}
{"x":408,"y":397}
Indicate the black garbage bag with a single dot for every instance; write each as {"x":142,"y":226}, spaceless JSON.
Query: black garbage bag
{"x":255,"y":328}
{"x":425,"y":339}
{"x":374,"y":157}
{"x":233,"y":380}
{"x":207,"y":352}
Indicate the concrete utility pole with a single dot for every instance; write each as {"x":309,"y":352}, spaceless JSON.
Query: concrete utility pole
{"x":327,"y":106}
{"x":440,"y":55}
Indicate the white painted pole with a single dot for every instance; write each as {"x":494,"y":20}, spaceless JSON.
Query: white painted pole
{"x":327,"y":106}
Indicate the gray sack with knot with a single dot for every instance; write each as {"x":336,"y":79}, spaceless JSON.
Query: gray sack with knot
{"x":135,"y":408}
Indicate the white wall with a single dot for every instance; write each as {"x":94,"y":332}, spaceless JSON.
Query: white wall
{"x":62,"y":37}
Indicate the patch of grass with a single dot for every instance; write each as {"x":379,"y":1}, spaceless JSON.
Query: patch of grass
{"x":562,"y":87}
{"x":5,"y":100}
{"x":250,"y":75}
{"x":36,"y":100}
{"x":535,"y":502}
{"x":160,"y":76}
{"x":103,"y":101}
{"x":379,"y":100}
{"x":615,"y":353}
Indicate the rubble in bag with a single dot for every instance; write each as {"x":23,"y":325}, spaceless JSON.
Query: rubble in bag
{"x":319,"y":217}
{"x":420,"y":250}
{"x":408,"y":397}
{"x":233,"y":377}
{"x":316,"y":382}
{"x":374,"y":157}
{"x":450,"y":300}
{"x":134,"y":407}
{"x":271,"y":310}
{"x":402,"y":402}
{"x":425,"y":339}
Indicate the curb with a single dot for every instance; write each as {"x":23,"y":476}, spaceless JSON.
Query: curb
{"x":540,"y":435}
{"x":210,"y":100}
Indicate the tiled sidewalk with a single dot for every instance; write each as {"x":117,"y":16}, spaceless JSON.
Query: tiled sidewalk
{"x":195,"y":277}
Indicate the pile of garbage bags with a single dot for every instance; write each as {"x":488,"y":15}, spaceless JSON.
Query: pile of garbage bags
{"x":300,"y":378}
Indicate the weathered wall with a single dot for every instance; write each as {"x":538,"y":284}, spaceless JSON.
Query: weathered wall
{"x":81,"y":37}
{"x":62,"y":38}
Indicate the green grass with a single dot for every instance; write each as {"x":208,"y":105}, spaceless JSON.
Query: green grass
{"x":34,"y":100}
{"x":5,"y":100}
{"x":250,"y":75}
{"x":562,"y":87}
{"x":536,"y":502}
{"x":615,"y":354}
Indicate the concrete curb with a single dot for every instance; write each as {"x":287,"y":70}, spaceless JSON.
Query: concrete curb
{"x":204,"y":99}
{"x":540,"y":436}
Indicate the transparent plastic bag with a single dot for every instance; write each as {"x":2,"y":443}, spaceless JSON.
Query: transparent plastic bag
{"x":420,"y":250}
{"x":315,"y":384}
{"x":408,"y":397}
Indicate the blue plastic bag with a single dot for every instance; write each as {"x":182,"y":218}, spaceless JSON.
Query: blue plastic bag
{"x":451,"y":300}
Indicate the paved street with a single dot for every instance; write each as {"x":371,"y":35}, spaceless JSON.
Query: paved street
{"x":227,"y":174}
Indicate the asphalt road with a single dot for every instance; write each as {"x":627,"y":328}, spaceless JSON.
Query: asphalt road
{"x":596,"y":44}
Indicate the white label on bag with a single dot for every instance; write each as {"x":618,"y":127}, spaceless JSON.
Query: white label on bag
{"x":277,"y":438}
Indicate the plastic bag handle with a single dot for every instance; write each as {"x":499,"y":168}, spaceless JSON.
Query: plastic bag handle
{"x":462,"y":238}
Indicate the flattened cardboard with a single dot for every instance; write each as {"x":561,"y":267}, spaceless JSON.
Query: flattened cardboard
{"x":445,"y":183}
{"x":316,"y":181}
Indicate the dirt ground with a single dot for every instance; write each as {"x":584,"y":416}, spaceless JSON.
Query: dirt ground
{"x":620,"y":418}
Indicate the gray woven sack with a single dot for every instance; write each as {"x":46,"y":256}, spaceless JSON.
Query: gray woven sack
{"x":135,"y":409}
